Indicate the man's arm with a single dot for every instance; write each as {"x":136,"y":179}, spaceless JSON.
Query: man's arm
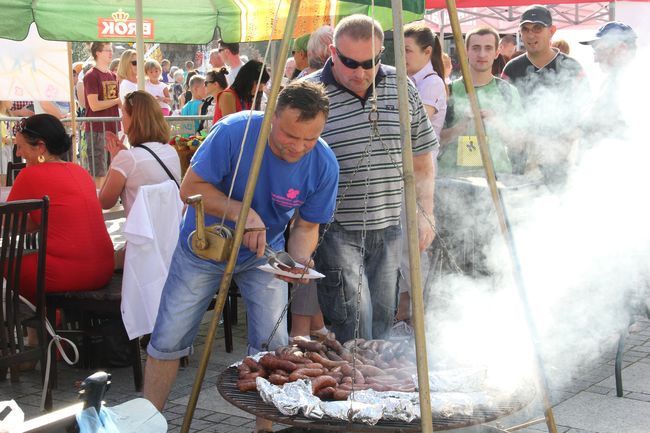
{"x":302,"y":240}
{"x":214,"y":203}
{"x":96,"y":105}
{"x":425,"y":175}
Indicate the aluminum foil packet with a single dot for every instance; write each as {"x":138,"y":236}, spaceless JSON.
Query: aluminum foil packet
{"x":292,"y":398}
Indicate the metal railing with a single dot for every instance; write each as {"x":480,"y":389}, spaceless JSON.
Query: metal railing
{"x":88,"y":148}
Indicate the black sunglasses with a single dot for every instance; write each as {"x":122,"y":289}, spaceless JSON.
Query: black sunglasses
{"x":22,"y":128}
{"x":134,"y":62}
{"x":353,"y":64}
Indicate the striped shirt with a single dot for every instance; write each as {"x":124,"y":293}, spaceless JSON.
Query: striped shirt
{"x":348,"y":133}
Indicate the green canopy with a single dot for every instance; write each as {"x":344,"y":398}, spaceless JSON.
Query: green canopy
{"x":174,"y":21}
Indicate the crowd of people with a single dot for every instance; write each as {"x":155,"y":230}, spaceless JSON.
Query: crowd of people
{"x":325,"y":179}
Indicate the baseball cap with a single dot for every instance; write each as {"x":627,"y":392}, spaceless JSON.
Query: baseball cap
{"x":614,"y":31}
{"x":537,"y":14}
{"x":301,"y":43}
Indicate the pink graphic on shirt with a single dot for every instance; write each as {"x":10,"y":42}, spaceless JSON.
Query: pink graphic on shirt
{"x":290,"y":201}
{"x":292,"y":193}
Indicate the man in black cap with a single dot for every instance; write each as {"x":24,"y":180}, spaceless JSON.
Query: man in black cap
{"x":553,"y":89}
{"x":614,"y":48}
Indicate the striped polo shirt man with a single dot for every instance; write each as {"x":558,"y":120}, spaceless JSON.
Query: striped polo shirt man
{"x":375,"y":183}
{"x":361,"y":250}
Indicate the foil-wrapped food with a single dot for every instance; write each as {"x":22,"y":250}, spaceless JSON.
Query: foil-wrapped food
{"x":359,"y":381}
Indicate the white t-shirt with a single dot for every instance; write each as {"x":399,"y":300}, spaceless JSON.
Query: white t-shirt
{"x":127,"y":87}
{"x":157,"y":90}
{"x":151,"y":233}
{"x":232,"y":74}
{"x":140,"y":168}
{"x":433,"y":92}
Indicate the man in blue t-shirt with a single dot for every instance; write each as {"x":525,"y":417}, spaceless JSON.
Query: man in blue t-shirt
{"x":299,"y":172}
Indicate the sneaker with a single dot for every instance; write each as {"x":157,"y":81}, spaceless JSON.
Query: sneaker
{"x":401,"y":330}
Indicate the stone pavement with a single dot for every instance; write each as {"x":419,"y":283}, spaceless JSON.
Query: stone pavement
{"x":588,"y":404}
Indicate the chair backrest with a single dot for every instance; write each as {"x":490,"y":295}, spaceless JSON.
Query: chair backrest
{"x":13,"y":168}
{"x":15,"y":241}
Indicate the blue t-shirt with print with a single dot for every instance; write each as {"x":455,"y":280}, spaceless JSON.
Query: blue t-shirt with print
{"x":192,"y":109}
{"x":309,"y":185}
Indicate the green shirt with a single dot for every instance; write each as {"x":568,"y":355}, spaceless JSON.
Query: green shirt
{"x":462,"y":154}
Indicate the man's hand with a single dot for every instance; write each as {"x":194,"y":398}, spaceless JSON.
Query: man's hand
{"x":255,"y":240}
{"x":426,"y":232}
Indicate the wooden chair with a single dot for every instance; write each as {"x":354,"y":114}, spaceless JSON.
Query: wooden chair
{"x":13,"y":168}
{"x":88,"y":306}
{"x":15,"y":316}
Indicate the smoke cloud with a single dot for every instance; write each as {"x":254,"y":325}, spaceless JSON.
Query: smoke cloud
{"x":583,"y":251}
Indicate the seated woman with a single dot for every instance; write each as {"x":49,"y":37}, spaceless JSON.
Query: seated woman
{"x":239,"y":96}
{"x":79,"y":249}
{"x":148,"y":133}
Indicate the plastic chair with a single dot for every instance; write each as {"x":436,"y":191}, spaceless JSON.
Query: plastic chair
{"x":14,"y":315}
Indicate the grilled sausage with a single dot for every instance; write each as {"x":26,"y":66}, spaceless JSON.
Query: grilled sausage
{"x":252,"y":364}
{"x":311,"y":346}
{"x":272,"y":362}
{"x":320,"y":382}
{"x":341,"y":394}
{"x":315,"y":357}
{"x":278,"y":379}
{"x":245,"y":385}
{"x":326,"y":393}
{"x":308,"y":372}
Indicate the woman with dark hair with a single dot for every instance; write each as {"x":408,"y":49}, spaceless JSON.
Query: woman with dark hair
{"x":425,"y":68}
{"x":79,"y":249}
{"x":148,"y":132}
{"x":215,"y":83}
{"x":239,"y":96}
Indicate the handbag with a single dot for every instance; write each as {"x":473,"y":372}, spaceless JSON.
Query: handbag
{"x":162,"y":164}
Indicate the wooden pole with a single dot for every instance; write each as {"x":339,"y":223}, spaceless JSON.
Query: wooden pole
{"x":417,"y":294}
{"x":499,"y":207}
{"x":243,"y":214}
{"x":73,"y":106}
{"x":139,"y":42}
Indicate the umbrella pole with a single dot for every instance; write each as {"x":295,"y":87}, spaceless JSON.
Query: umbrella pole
{"x":499,"y":207}
{"x":73,"y":106}
{"x":139,"y":42}
{"x":243,"y":214}
{"x":417,"y":294}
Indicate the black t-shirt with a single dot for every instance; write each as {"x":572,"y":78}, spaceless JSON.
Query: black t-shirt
{"x":563,"y":74}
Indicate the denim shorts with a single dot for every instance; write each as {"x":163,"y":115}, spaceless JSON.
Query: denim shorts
{"x":193,"y":282}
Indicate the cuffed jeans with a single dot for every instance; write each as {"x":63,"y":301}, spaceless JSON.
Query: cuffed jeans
{"x":339,"y":258}
{"x":192,"y":283}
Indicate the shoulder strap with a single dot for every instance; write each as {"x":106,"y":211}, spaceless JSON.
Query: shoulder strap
{"x":162,"y":164}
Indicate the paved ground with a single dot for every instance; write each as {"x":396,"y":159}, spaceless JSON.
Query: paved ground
{"x":587,"y":405}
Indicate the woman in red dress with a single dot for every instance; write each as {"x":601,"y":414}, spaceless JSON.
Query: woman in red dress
{"x":239,"y":96}
{"x":79,"y":253}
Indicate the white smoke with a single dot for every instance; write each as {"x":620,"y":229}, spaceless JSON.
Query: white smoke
{"x":584,"y":256}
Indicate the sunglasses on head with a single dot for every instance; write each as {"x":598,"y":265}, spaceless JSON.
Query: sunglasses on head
{"x":353,"y":64}
{"x":22,"y":128}
{"x":134,"y":62}
{"x":129,"y":98}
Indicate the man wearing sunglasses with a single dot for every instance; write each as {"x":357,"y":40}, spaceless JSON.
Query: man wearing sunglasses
{"x":369,"y":184}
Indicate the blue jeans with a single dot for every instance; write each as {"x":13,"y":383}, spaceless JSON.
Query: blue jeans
{"x":192,"y":283}
{"x":339,"y":258}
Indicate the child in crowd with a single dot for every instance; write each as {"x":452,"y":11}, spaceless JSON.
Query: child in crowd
{"x":177,"y":89}
{"x":198,"y":90}
{"x":6,"y":149}
{"x":155,"y":87}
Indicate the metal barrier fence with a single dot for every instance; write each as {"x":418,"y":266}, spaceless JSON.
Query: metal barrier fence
{"x":89,"y":147}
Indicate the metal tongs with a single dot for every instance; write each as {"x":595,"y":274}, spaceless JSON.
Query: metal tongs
{"x":279,"y":259}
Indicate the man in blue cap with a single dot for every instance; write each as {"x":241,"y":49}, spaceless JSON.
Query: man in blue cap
{"x":614,"y":48}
